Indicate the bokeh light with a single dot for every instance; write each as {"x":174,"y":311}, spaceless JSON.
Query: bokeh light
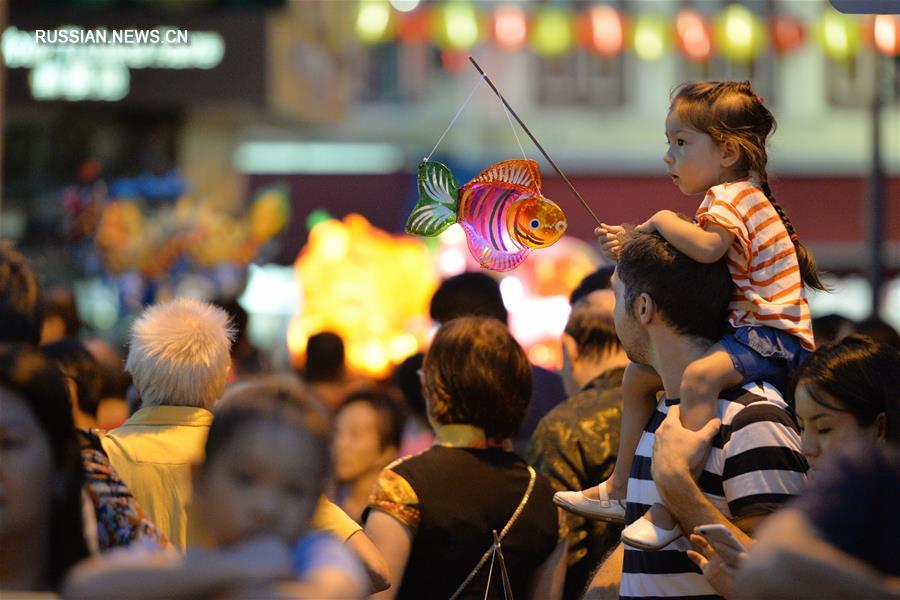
{"x":603,"y":30}
{"x":552,"y":34}
{"x":373,"y":21}
{"x":650,"y":37}
{"x":694,"y":35}
{"x":739,"y":34}
{"x":838,"y":34}
{"x":510,"y":27}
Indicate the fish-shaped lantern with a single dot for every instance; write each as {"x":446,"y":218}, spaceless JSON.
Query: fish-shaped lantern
{"x":501,"y":210}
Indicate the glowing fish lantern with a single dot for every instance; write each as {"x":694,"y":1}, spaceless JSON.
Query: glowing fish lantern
{"x":501,"y":210}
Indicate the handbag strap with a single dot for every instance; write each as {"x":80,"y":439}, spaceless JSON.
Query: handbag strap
{"x":503,"y":532}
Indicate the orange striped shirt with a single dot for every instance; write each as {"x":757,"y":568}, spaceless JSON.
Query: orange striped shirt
{"x":762,"y":260}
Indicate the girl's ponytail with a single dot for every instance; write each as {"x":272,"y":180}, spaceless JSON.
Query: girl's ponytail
{"x":808,"y":271}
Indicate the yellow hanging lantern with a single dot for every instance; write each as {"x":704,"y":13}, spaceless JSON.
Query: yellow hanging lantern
{"x":651,"y":37}
{"x":739,"y":34}
{"x":838,"y":34}
{"x":552,"y":34}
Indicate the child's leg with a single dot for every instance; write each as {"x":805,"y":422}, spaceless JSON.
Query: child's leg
{"x":639,"y":387}
{"x":701,"y":384}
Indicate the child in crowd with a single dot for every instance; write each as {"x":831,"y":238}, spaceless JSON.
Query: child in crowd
{"x":716,"y":135}
{"x":267,"y":459}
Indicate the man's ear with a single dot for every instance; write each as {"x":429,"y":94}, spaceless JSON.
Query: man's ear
{"x":881,"y":426}
{"x":730,"y":154}
{"x":645,"y":308}
{"x":570,"y":347}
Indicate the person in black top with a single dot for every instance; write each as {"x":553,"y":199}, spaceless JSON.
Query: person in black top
{"x":433,"y":515}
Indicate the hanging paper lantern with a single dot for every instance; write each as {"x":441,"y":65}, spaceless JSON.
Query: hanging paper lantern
{"x":374,"y":21}
{"x":552,"y":33}
{"x":651,"y":37}
{"x":601,"y":29}
{"x":455,"y":25}
{"x":886,"y":34}
{"x":787,"y":34}
{"x":694,"y":35}
{"x":838,"y":34}
{"x":739,"y":34}
{"x":413,"y":27}
{"x":510,"y":27}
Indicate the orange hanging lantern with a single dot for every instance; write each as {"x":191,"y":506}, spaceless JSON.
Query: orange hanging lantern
{"x":602,"y":29}
{"x":510,"y":27}
{"x":414,"y":27}
{"x":787,"y":34}
{"x":694,"y":35}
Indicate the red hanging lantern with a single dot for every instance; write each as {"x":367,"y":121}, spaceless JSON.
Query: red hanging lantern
{"x":509,"y":27}
{"x":787,"y":34}
{"x":885,"y":31}
{"x":413,"y":27}
{"x":601,"y":29}
{"x":694,"y":35}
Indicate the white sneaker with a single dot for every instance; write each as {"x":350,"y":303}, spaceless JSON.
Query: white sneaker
{"x":604,"y":509}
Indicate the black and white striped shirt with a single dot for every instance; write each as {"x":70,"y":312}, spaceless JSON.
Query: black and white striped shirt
{"x":754,"y":467}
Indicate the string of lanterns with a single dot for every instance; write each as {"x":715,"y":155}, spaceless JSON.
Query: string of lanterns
{"x":550,"y":31}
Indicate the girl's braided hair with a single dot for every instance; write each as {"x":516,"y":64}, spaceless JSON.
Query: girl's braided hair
{"x":730,"y":111}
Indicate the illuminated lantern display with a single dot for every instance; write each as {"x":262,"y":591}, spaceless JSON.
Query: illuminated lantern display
{"x":739,"y":34}
{"x":374,"y":21}
{"x":455,"y":25}
{"x":694,"y":35}
{"x":552,"y":32}
{"x":510,"y":27}
{"x":650,"y":37}
{"x":886,"y":34}
{"x":787,"y":34}
{"x":838,"y":34}
{"x":370,"y":287}
{"x":413,"y":27}
{"x":601,"y":29}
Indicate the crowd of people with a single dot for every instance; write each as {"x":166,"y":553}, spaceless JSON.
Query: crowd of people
{"x":707,"y":435}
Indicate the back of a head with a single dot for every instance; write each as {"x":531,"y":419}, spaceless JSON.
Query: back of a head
{"x":21,"y":311}
{"x":406,"y":378}
{"x":29,"y":376}
{"x":593,"y":329}
{"x":830,"y":328}
{"x":862,"y":374}
{"x":76,"y":362}
{"x":468,"y":294}
{"x":477,"y":374}
{"x":879,"y":330}
{"x":324,"y":357}
{"x":275,"y":399}
{"x":597,"y":280}
{"x":692,"y":297}
{"x":60,"y":314}
{"x":180,"y":353}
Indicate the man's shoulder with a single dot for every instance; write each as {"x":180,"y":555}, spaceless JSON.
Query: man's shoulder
{"x":753,"y":403}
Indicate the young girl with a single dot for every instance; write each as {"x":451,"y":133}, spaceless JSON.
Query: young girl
{"x":716,"y":135}
{"x":266,"y":462}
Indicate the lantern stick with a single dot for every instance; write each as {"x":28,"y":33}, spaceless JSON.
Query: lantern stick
{"x":536,"y":143}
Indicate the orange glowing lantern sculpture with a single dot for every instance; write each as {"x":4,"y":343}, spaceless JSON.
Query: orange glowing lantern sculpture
{"x":370,"y":287}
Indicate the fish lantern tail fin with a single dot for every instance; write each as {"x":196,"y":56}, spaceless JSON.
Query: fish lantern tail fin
{"x":436,"y":209}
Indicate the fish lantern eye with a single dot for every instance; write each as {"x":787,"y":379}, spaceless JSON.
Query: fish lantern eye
{"x":534,"y":223}
{"x":561,"y":226}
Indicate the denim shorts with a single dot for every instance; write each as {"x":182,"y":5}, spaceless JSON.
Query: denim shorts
{"x":765,"y":354}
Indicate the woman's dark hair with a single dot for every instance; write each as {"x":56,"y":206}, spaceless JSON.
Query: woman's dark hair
{"x":276,"y":399}
{"x":477,"y":374}
{"x":21,"y":306}
{"x":861,"y":374}
{"x":730,"y":111}
{"x":76,"y":362}
{"x":390,"y":418}
{"x":34,"y":379}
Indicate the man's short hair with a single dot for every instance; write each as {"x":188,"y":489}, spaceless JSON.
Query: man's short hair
{"x":21,"y":311}
{"x":596,"y":280}
{"x":477,"y":374}
{"x":468,"y":294}
{"x":593,"y":330}
{"x":180,"y":353}
{"x":692,"y":297}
